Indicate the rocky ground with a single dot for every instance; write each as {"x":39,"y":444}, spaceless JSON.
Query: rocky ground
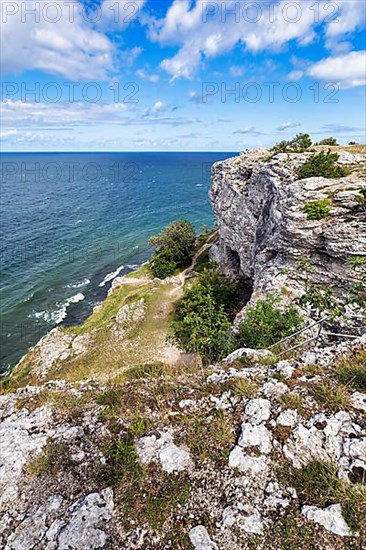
{"x":111,"y":438}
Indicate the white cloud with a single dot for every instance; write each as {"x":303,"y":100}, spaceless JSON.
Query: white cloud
{"x":6,"y":134}
{"x":146,"y":76}
{"x":62,"y":39}
{"x":198,"y":37}
{"x":287,"y":126}
{"x":249,"y":130}
{"x":345,"y":70}
{"x":295,"y":75}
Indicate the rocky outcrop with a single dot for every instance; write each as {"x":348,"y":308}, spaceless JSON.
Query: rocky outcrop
{"x":264,"y":230}
{"x":158,"y":456}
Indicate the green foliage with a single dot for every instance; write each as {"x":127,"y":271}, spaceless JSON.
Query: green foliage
{"x":121,"y":464}
{"x":298,"y":144}
{"x":174,"y":248}
{"x":352,"y":371}
{"x":323,"y":164}
{"x":361,"y":198}
{"x":265,"y":324}
{"x":201,"y":323}
{"x":162,"y":266}
{"x":328,"y":141}
{"x":317,"y":210}
{"x":317,"y":484}
{"x":333,"y":398}
{"x":319,"y":299}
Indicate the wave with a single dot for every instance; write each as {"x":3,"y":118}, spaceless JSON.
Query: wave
{"x":112,"y":275}
{"x":58,"y":315}
{"x":80,"y":284}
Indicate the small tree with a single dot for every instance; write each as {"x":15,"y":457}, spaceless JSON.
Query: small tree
{"x":298,"y":144}
{"x":174,"y":248}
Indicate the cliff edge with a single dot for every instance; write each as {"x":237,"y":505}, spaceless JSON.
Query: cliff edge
{"x":111,"y":438}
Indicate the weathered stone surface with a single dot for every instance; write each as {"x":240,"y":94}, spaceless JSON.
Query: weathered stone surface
{"x":87,"y":521}
{"x":162,"y":449}
{"x":200,"y":539}
{"x":263,"y":228}
{"x":258,"y":410}
{"x":330,"y":518}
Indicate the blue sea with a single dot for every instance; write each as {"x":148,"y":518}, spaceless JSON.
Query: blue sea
{"x":71,"y":222}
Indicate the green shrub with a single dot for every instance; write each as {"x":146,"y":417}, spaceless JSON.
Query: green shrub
{"x":265,"y":324}
{"x":174,"y":247}
{"x":161,"y":266}
{"x":328,"y":141}
{"x":317,"y":210}
{"x":323,"y":164}
{"x":361,"y":198}
{"x":298,"y":144}
{"x":201,"y":322}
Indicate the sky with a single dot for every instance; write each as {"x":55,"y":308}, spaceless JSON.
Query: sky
{"x":180,"y":75}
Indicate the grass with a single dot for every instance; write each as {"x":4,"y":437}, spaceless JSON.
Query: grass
{"x":70,"y":406}
{"x":242,"y":387}
{"x":292,"y":400}
{"x":352,"y":371}
{"x":332,"y":397}
{"x":208,"y":438}
{"x":146,"y":494}
{"x":317,"y":484}
{"x":149,"y":371}
{"x":53,"y":458}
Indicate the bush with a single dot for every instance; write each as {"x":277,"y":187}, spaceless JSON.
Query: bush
{"x":174,"y":247}
{"x":328,"y":141}
{"x":265,"y":324}
{"x":201,"y":323}
{"x":161,"y":266}
{"x":317,"y":210}
{"x":323,"y":164}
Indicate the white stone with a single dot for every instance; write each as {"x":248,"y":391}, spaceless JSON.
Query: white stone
{"x":289,"y":417}
{"x":162,"y":449}
{"x":253,"y":354}
{"x":274,"y":389}
{"x":330,"y":518}
{"x":174,"y":459}
{"x":255,"y":436}
{"x":251,"y":465}
{"x":88,"y":519}
{"x":200,"y":539}
{"x":358,"y":400}
{"x":258,"y":410}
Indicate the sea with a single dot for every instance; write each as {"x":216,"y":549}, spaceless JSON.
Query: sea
{"x":72,"y":222}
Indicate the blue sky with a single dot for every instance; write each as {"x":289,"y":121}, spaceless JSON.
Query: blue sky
{"x":171,"y":75}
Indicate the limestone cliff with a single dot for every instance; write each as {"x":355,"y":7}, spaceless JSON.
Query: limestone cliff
{"x":111,"y":438}
{"x":263,"y":228}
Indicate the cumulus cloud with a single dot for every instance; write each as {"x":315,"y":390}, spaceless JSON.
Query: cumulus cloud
{"x":346,"y":70}
{"x":287,"y":126}
{"x":200,"y":35}
{"x":61,"y":38}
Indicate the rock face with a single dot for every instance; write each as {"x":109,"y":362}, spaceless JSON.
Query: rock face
{"x":264,"y":230}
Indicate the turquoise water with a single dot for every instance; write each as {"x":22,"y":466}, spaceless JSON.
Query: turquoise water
{"x":70,"y":222}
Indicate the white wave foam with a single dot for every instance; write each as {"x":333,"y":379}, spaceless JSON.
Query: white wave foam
{"x":58,"y":315}
{"x":80,"y":284}
{"x":111,"y":276}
